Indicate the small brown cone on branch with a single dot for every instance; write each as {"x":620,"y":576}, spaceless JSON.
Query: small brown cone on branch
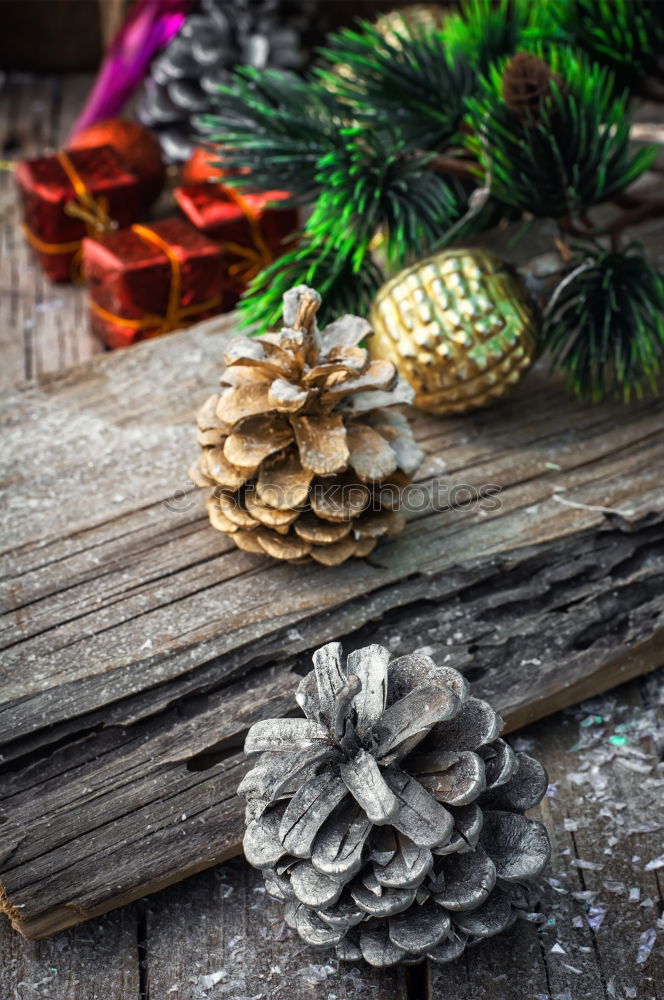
{"x":527,"y":83}
{"x":302,"y":456}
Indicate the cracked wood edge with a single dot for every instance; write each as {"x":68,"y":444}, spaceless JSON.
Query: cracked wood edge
{"x":430,"y":543}
{"x":648,"y":656}
{"x":561,"y":684}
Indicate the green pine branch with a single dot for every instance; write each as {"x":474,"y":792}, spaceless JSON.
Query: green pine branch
{"x":274,"y":127}
{"x":485,"y":31}
{"x":624,"y":35}
{"x":573,"y":154}
{"x":375,"y":188}
{"x":605,"y":325}
{"x":372,"y":139}
{"x":345,"y":287}
{"x":407,"y":81}
{"x":368,"y":195}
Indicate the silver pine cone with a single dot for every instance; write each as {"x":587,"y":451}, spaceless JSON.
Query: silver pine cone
{"x":389,"y":820}
{"x":185,"y":77}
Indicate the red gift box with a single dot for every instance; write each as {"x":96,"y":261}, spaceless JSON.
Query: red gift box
{"x":70,"y":194}
{"x":148,"y":280}
{"x":248,"y":227}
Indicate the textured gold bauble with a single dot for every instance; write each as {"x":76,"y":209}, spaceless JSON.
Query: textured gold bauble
{"x":459,"y":326}
{"x":418,"y":18}
{"x":423,"y":17}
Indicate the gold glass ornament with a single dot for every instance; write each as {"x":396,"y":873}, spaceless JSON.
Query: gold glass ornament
{"x":415,"y":17}
{"x":459,"y":326}
{"x":418,"y":18}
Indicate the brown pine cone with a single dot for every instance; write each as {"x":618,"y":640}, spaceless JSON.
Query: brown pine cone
{"x":526,"y":83}
{"x":303,"y":459}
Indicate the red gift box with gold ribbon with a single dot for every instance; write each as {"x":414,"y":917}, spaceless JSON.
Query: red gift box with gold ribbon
{"x":251,"y":229}
{"x":149,"y":279}
{"x":72,"y":194}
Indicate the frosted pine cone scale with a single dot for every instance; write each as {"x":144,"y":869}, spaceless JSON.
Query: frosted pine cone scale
{"x":388,"y":820}
{"x":302,"y":456}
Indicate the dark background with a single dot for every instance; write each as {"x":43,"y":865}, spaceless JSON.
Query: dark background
{"x":67,"y":36}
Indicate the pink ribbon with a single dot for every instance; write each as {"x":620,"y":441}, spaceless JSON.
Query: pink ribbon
{"x":148,"y":27}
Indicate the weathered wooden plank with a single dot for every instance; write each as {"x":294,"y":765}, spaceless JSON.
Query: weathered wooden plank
{"x":137,"y":623}
{"x":42,"y":326}
{"x":185,"y":934}
{"x":224,"y":933}
{"x":599,"y":819}
{"x":146,"y":792}
{"x":509,"y":969}
{"x":614,"y":829}
{"x":24,"y":133}
{"x":84,"y":597}
{"x":95,"y":962}
{"x":62,"y":334}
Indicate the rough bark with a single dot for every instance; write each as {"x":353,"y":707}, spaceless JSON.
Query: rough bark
{"x":140,"y":645}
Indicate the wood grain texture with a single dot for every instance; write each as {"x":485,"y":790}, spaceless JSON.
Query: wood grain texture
{"x":227,"y":937}
{"x":139,"y":645}
{"x":605,"y":812}
{"x":217,"y":925}
{"x":139,"y":952}
{"x":99,"y":961}
{"x":151,"y":643}
{"x":105,"y":550}
{"x":42,"y":326}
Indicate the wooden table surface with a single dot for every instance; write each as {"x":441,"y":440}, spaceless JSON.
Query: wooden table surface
{"x":599,"y":931}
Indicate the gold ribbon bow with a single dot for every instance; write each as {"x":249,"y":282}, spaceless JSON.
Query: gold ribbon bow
{"x":92,"y":211}
{"x":176,"y":315}
{"x":255,"y":258}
